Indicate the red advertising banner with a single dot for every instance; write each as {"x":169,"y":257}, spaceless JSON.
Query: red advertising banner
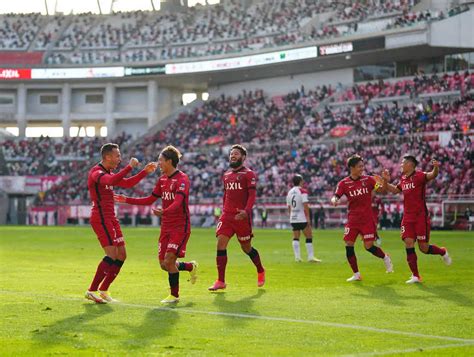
{"x":16,"y":58}
{"x":15,"y":73}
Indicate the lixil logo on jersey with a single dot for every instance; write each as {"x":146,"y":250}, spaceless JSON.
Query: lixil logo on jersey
{"x":408,"y":186}
{"x":233,"y":186}
{"x":358,"y":192}
{"x":168,"y":196}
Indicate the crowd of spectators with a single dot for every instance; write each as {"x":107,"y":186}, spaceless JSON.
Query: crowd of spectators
{"x":202,"y":30}
{"x":420,"y":84}
{"x":52,"y":156}
{"x":284,"y":134}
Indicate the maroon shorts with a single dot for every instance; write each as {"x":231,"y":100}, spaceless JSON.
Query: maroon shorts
{"x":228,"y":226}
{"x":416,"y":228}
{"x":367,"y":230}
{"x":172,"y":241}
{"x":108,"y":232}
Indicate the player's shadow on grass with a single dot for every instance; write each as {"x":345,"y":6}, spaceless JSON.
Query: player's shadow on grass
{"x":242,"y":306}
{"x":69,"y":331}
{"x":445,"y":292}
{"x":383,"y":292}
{"x":156,"y":325}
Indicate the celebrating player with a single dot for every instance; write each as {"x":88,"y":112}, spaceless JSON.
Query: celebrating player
{"x":300,"y":220}
{"x":416,"y":219}
{"x":101,"y":184}
{"x":173,"y":189}
{"x":358,"y":188}
{"x":239,"y":198}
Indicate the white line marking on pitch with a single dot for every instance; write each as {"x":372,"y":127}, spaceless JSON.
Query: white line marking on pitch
{"x":409,"y":350}
{"x":257,"y":317}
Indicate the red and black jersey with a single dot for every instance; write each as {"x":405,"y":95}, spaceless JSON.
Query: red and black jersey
{"x":174,"y":193}
{"x":239,"y":190}
{"x":414,"y":194}
{"x":359,"y":196}
{"x":101,"y":184}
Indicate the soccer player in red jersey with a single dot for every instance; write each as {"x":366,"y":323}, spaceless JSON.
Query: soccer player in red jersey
{"x":239,"y":197}
{"x":416,"y":219}
{"x":101,"y":182}
{"x":173,"y":189}
{"x":358,"y":188}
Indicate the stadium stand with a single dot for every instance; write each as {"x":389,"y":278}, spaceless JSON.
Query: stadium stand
{"x":293,"y":121}
{"x":143,"y":36}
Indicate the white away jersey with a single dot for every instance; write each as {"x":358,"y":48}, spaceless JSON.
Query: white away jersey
{"x":295,"y":199}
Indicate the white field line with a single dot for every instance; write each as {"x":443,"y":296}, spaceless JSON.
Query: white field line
{"x":409,"y":350}
{"x":256,"y":317}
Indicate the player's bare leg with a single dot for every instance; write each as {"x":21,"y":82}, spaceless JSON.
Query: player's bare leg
{"x":379,"y":253}
{"x":255,"y":257}
{"x":352,"y":259}
{"x":221,"y":262}
{"x":308,"y":233}
{"x":412,"y":260}
{"x":296,"y":245}
{"x":169,"y":264}
{"x":435,"y":250}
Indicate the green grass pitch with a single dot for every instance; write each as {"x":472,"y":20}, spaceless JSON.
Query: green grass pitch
{"x":304,"y":309}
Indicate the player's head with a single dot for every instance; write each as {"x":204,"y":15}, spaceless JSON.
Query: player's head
{"x":297,"y":180}
{"x":237,"y":156}
{"x":110,"y":155}
{"x":169,"y":158}
{"x":409,"y":163}
{"x":355,"y":164}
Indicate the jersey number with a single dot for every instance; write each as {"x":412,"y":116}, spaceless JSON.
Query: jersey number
{"x":293,"y":201}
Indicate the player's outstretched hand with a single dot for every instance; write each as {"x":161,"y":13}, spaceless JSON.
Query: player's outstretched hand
{"x":241,"y":215}
{"x":120,"y":198}
{"x":386,"y":175}
{"x":157,"y":211}
{"x":133,"y":162}
{"x":150,"y":167}
{"x":435,"y":163}
{"x":378,"y":179}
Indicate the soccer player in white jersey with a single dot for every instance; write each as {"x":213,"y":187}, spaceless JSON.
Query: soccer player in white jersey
{"x":298,"y":207}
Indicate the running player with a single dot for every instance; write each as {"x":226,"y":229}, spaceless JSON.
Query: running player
{"x":358,"y":188}
{"x":101,"y":184}
{"x":416,"y":218}
{"x":300,"y":219}
{"x":239,"y":197}
{"x":173,"y":189}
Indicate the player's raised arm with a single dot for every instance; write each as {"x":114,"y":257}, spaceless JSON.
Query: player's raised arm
{"x":141,"y":201}
{"x":434,"y":173}
{"x":388,"y":187}
{"x":113,"y":179}
{"x":132,"y":181}
{"x":379,"y":184}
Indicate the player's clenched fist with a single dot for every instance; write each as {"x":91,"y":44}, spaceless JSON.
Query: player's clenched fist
{"x":133,"y":162}
{"x":151,"y":167}
{"x":435,"y":163}
{"x":386,"y":175}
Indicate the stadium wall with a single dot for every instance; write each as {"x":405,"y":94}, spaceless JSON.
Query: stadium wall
{"x":286,"y":84}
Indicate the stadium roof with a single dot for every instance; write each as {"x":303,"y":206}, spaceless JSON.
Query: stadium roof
{"x":52,"y":7}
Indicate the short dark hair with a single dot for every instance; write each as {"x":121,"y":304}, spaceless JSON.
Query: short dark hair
{"x":171,"y":153}
{"x":242,"y":149}
{"x":354,"y":160}
{"x":297,"y":179}
{"x":411,"y":158}
{"x":108,"y":148}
